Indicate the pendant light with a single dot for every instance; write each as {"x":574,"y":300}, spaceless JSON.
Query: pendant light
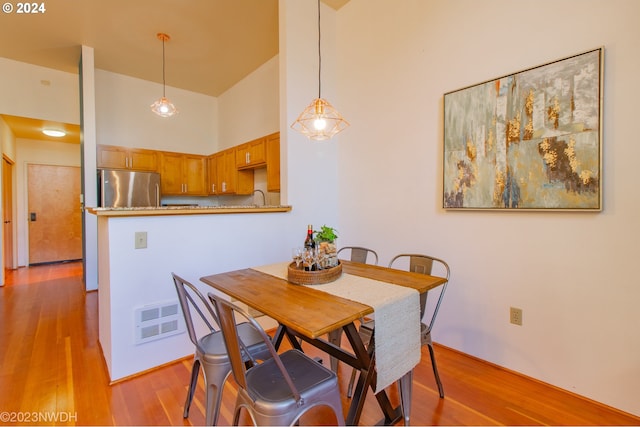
{"x":163,"y":107}
{"x":319,"y":121}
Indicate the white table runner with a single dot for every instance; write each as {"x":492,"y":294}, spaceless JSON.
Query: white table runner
{"x":397,"y":314}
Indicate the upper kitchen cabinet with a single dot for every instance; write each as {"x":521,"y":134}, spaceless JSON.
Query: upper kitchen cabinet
{"x":273,"y":161}
{"x":230,"y":180}
{"x":183,"y":174}
{"x":114,"y":157}
{"x":251,"y":154}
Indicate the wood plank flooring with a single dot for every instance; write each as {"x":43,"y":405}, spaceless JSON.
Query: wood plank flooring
{"x":51,"y":366}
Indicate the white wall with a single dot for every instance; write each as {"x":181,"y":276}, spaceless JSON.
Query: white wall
{"x":573,"y":274}
{"x":250,"y":109}
{"x":309,"y":172}
{"x":124,"y":117}
{"x":38,"y":92}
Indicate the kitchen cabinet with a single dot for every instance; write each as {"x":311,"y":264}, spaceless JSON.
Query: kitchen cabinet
{"x":251,"y":154}
{"x":224,"y":176}
{"x":273,"y":161}
{"x":183,"y":174}
{"x":114,"y":157}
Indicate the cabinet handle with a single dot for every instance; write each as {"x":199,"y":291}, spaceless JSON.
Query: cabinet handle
{"x":126,"y":162}
{"x":247,"y":157}
{"x":224,"y":187}
{"x":213,"y":188}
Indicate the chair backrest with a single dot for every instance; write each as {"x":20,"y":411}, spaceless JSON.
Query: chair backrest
{"x":190,"y":297}
{"x":360,"y":254}
{"x":424,"y":264}
{"x":226,"y":313}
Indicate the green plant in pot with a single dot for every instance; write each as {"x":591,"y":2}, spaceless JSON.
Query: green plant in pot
{"x":326,"y":244}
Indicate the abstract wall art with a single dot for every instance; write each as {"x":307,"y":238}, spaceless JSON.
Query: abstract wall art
{"x":531,"y":140}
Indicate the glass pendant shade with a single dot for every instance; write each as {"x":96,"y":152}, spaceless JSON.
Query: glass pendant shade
{"x":319,"y":121}
{"x":163,"y":107}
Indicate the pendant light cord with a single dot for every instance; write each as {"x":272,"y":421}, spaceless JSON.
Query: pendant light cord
{"x":163,"y":80}
{"x":319,"y":55}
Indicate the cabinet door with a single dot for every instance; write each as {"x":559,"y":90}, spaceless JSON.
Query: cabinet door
{"x":194,"y":168}
{"x":111,"y":157}
{"x":273,"y":162}
{"x":114,"y":157}
{"x":171,"y":173}
{"x":213,"y":181}
{"x":229,"y":172}
{"x":143,"y":160}
{"x":251,"y":154}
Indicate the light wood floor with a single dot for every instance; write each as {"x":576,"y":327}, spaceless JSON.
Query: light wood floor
{"x":51,"y":365}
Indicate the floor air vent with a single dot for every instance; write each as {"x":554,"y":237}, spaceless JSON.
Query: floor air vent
{"x":158,"y":321}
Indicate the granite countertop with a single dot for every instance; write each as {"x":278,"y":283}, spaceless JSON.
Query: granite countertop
{"x":187,"y":210}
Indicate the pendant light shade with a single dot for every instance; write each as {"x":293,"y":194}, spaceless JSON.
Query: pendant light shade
{"x":319,"y":121}
{"x":163,"y":107}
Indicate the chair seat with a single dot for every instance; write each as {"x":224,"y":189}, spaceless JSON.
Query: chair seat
{"x":272,"y":394}
{"x":213,"y":350}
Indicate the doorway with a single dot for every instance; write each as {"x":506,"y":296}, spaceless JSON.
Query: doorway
{"x":54,"y":213}
{"x":7,"y":214}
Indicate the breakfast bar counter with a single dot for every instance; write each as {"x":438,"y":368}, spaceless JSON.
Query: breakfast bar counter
{"x":187,"y":210}
{"x":139,"y":248}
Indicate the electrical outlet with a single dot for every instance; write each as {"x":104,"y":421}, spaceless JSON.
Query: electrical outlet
{"x":516,"y":316}
{"x":141,"y":240}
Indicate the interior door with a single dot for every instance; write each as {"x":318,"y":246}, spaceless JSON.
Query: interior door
{"x":7,"y":213}
{"x":55,"y":217}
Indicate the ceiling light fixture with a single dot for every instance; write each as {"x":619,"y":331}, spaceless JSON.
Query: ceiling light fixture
{"x":319,"y":121}
{"x":163,"y":107}
{"x":54,"y":132}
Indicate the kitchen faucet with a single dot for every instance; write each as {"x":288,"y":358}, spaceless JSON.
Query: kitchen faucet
{"x":264,"y":200}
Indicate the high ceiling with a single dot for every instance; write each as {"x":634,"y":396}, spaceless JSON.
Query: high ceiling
{"x":214,"y":43}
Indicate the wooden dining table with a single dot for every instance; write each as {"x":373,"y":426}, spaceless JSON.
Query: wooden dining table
{"x":305,"y":313}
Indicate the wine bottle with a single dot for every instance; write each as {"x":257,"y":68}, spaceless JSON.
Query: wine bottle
{"x":309,"y":242}
{"x":309,"y":249}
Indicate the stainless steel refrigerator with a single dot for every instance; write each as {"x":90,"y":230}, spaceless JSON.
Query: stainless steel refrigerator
{"x":125,"y":189}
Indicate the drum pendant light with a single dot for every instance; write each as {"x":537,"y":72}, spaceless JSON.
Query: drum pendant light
{"x":163,"y":107}
{"x":319,"y":121}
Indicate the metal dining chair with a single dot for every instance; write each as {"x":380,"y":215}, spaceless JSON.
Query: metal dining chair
{"x":279,"y":390}
{"x":210,"y":351}
{"x":356,"y":254}
{"x":422,"y":264}
{"x":359,"y":254}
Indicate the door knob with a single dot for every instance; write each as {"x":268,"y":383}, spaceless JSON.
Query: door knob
{"x":32,"y":216}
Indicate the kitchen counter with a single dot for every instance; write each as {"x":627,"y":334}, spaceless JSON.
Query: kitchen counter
{"x":186,"y":210}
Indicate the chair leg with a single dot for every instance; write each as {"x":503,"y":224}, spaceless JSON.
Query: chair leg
{"x":406,"y":387}
{"x":214,"y":398}
{"x":435,"y":369}
{"x":215,"y":377}
{"x":195,"y":370}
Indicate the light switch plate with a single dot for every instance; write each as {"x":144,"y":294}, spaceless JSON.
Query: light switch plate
{"x":141,"y":240}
